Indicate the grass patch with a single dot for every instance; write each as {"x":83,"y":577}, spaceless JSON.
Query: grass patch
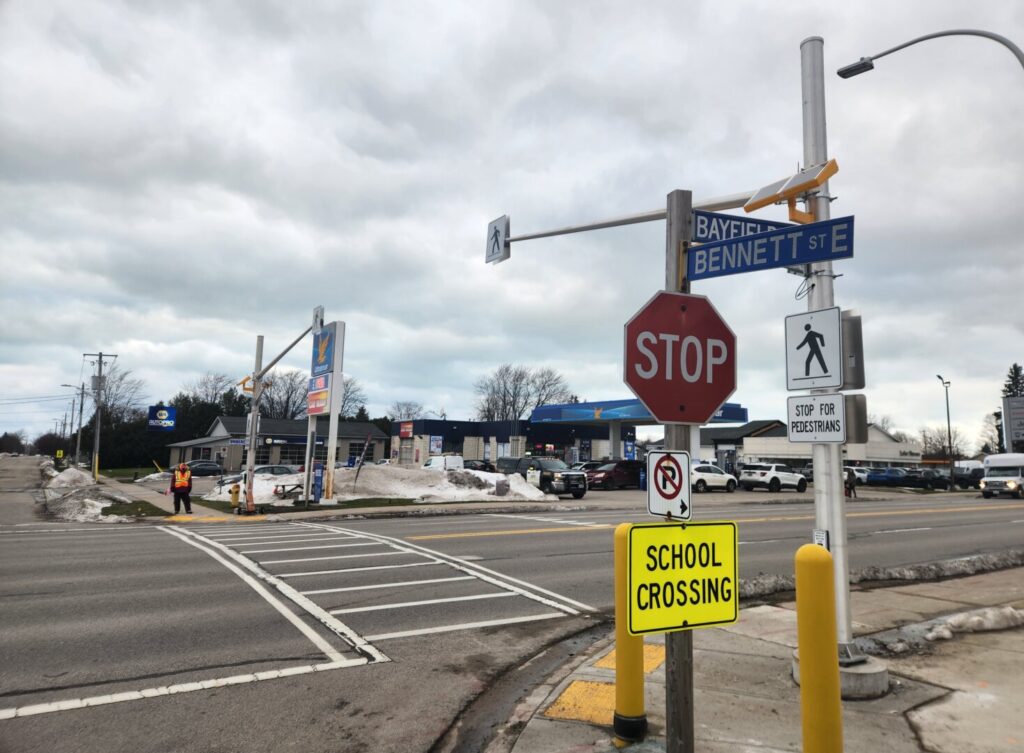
{"x":135,"y":510}
{"x":127,"y":473}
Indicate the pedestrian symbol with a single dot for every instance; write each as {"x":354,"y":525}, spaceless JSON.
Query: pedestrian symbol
{"x":814,"y":350}
{"x":668,"y":490}
{"x":498,"y":246}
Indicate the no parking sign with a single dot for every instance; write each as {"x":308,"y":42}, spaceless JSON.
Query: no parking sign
{"x":668,"y":484}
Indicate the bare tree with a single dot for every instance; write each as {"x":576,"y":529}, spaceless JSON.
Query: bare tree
{"x":935,"y":443}
{"x":511,"y":391}
{"x":285,"y":397}
{"x":882,"y":422}
{"x":405,"y":410}
{"x":991,"y":437}
{"x":549,"y":387}
{"x":121,"y":398}
{"x":210,"y":387}
{"x":353,"y":399}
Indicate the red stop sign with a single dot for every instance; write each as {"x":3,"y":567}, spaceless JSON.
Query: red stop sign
{"x":680,"y":358}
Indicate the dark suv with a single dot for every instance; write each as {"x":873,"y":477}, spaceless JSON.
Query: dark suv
{"x":617,"y":474}
{"x":555,"y":477}
{"x":204,"y":468}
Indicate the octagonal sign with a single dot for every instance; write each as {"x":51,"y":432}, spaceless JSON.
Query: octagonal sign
{"x":680,"y":358}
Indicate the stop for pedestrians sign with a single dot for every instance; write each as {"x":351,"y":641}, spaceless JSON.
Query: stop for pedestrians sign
{"x":680,"y":358}
{"x":668,"y":484}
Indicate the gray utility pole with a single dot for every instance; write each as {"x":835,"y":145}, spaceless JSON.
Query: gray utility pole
{"x":97,"y":396}
{"x":81,"y":406}
{"x":259,"y":372}
{"x":949,"y":430}
{"x":679,"y":731}
{"x":829,"y":512}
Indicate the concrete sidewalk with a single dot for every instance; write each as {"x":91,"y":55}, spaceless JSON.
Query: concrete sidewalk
{"x":965,"y":695}
{"x":142,"y":493}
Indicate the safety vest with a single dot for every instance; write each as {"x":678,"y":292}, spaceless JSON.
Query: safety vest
{"x":182,"y":479}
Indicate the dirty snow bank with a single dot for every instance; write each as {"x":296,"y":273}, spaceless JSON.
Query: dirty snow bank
{"x":394,"y":482}
{"x":70,"y":478}
{"x":46,"y":468}
{"x":976,"y":621}
{"x":85,"y":505}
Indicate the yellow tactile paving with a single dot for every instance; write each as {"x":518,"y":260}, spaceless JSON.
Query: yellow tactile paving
{"x":654,"y":657}
{"x":209,"y":518}
{"x":585,"y":701}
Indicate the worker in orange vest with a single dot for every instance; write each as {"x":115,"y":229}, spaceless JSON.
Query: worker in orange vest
{"x":181,"y":488}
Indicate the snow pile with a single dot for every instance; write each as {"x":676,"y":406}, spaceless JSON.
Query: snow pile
{"x":394,"y":482}
{"x":70,"y":478}
{"x":160,"y":476}
{"x":85,"y":506}
{"x":46,"y":468}
{"x":976,"y":621}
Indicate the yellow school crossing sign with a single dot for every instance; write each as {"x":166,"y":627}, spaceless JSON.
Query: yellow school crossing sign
{"x":682,"y":576}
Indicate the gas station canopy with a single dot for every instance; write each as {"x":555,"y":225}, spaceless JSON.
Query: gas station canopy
{"x":629,"y":411}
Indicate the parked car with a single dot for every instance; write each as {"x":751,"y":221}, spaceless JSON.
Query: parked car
{"x":204,"y":468}
{"x":704,"y":477}
{"x":807,"y":472}
{"x":480,"y":465}
{"x":617,"y":474}
{"x":260,"y":470}
{"x":551,"y":475}
{"x":969,"y":478}
{"x":861,"y":474}
{"x":887,"y":477}
{"x":445,"y":463}
{"x":384,"y":461}
{"x":588,"y":465}
{"x":771,"y":476}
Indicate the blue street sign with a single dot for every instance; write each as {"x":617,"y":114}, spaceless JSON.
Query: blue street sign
{"x":800,"y":244}
{"x":318,"y":481}
{"x":709,"y":227}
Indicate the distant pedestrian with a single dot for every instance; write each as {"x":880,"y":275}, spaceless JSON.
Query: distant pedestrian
{"x":851,"y":484}
{"x":181,"y":488}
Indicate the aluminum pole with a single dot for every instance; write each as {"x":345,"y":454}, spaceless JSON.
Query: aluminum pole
{"x":78,"y":437}
{"x":829,"y":509}
{"x":254,"y":422}
{"x":679,"y":710}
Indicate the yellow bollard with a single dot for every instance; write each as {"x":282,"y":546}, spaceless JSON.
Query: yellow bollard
{"x":630,"y":720}
{"x":820,"y":705}
{"x":235,"y":490}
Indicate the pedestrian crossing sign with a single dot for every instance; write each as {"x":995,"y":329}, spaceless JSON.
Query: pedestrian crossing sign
{"x":814,"y":350}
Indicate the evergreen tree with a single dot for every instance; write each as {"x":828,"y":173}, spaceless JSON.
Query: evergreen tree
{"x":1014,"y":385}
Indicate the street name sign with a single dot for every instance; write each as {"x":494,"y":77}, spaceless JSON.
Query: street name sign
{"x":680,"y":358}
{"x":814,"y":350}
{"x":816,"y":418}
{"x":498,"y":246}
{"x":714,"y":226}
{"x":681,"y":576}
{"x":668,"y":484}
{"x":799,"y":244}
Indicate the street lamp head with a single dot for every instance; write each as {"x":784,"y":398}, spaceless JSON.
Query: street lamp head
{"x":855,"y":69}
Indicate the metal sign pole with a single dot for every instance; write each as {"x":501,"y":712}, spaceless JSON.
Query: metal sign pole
{"x":337,"y":393}
{"x":828,"y":463}
{"x":679,"y":726}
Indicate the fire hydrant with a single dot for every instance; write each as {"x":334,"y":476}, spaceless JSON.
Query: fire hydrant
{"x":235,"y":490}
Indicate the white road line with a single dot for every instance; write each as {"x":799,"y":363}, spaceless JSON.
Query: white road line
{"x":479,"y":571}
{"x":298,"y":548}
{"x":334,"y":557}
{"x":165,"y":690}
{"x":337,"y":627}
{"x":464,"y":626}
{"x":356,"y":569}
{"x":110,"y":528}
{"x":903,"y":530}
{"x":332,"y":653}
{"x":1017,"y":521}
{"x":275,"y":542}
{"x":399,"y":605}
{"x":236,"y":534}
{"x":316,"y":639}
{"x":562,"y":521}
{"x":373,"y":586}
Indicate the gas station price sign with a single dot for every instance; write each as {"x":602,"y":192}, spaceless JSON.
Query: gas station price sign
{"x":681,"y":577}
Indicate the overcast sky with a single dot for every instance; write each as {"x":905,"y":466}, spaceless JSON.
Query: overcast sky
{"x":177,"y":178}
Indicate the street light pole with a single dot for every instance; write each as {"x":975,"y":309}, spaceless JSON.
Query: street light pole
{"x":949,"y":429}
{"x":867,"y":64}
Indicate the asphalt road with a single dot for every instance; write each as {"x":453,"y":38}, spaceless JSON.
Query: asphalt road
{"x":368,"y":634}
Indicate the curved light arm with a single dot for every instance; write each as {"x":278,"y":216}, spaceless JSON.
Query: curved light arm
{"x":866,"y":64}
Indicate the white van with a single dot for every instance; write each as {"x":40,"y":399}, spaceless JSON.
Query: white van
{"x":445,"y":463}
{"x":1004,"y":474}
